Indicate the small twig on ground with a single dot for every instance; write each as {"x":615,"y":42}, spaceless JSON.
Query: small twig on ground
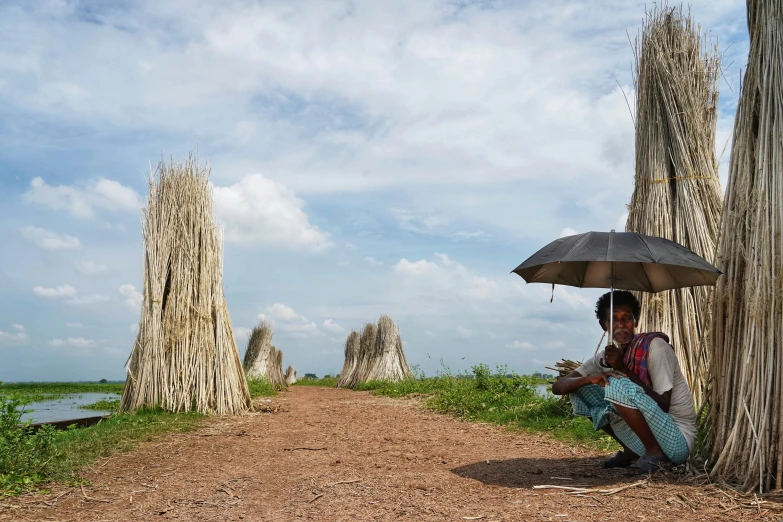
{"x":303,"y":448}
{"x":561,"y":478}
{"x":94,"y":499}
{"x":474,"y":518}
{"x":344,"y":482}
{"x":319,"y":495}
{"x":151,"y":486}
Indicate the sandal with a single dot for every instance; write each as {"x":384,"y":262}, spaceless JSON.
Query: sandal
{"x":619,"y":460}
{"x":651,"y":463}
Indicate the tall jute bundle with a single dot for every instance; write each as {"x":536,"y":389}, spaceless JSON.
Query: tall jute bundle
{"x":388,"y":363}
{"x":290,"y":376}
{"x":276,"y":376}
{"x":185,"y":357}
{"x":365,"y":357}
{"x":352,"y":344}
{"x":261,"y":358}
{"x":746,"y":399}
{"x":259,"y":350}
{"x":677,"y":192}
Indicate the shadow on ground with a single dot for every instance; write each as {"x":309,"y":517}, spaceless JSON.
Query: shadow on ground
{"x":526,"y":473}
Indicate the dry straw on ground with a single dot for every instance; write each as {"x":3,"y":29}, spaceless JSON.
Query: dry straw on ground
{"x":677,"y":193}
{"x":185,"y":357}
{"x":746,"y":399}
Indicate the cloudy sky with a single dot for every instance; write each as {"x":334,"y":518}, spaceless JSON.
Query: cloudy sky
{"x":367,"y":157}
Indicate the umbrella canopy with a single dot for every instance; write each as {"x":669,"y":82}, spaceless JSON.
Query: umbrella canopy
{"x":624,"y":260}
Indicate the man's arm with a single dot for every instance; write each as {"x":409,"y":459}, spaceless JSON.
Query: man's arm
{"x":574,"y":380}
{"x":614,"y":357}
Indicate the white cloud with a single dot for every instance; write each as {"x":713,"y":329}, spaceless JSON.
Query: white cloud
{"x":303,"y":327}
{"x":76,"y":342}
{"x":430,"y":334}
{"x":469,"y":235}
{"x":133,"y":298}
{"x":242,"y":334}
{"x":89,"y":268}
{"x":82,"y":201}
{"x":49,"y":240}
{"x":258,"y":209}
{"x":88,"y":299}
{"x":524,"y":345}
{"x":373,"y":261}
{"x":58,"y":291}
{"x":333,"y":327}
{"x":283,"y":312}
{"x":445,"y":275}
{"x":567,"y":232}
{"x":16,"y":335}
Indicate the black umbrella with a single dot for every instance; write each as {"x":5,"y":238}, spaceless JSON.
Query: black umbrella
{"x":612,"y":260}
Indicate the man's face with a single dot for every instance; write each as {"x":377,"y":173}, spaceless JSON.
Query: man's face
{"x":624,"y":324}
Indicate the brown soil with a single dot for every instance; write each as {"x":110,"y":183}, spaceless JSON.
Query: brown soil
{"x":328,"y":454}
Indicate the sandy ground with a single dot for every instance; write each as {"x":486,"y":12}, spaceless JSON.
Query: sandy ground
{"x":329,"y":454}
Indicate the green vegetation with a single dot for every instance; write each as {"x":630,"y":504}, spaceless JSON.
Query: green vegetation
{"x":30,"y":458}
{"x":103,"y":405}
{"x":326,"y":380}
{"x":500,"y":398}
{"x":260,"y":387}
{"x":42,"y":391}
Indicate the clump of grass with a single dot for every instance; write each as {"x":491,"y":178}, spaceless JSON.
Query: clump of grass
{"x":260,"y":387}
{"x":27,"y":457}
{"x":104,"y":405}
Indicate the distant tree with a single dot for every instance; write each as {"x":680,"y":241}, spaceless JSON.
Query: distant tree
{"x":103,"y":381}
{"x":310,"y":376}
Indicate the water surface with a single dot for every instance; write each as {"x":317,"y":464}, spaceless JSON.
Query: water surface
{"x":66,"y":407}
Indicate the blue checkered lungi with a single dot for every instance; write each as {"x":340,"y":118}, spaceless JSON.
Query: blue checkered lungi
{"x":598,"y":403}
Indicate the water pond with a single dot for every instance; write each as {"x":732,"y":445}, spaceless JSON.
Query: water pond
{"x":66,"y":407}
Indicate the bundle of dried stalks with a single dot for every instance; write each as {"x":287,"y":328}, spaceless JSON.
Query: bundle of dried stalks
{"x":290,"y":376}
{"x":185,"y":357}
{"x":365,"y":356}
{"x":746,"y":398}
{"x":564,"y":367}
{"x":388,"y":363}
{"x":677,"y":193}
{"x":352,"y":344}
{"x":259,"y":350}
{"x":275,"y":369}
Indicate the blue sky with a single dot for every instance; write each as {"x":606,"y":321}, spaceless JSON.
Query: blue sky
{"x":367,"y":157}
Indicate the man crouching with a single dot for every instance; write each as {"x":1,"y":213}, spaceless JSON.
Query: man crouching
{"x":634,"y":391}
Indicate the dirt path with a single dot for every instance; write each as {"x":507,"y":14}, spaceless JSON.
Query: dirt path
{"x":340,"y":455}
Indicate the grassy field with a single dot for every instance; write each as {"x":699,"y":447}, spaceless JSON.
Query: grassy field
{"x":28,"y":460}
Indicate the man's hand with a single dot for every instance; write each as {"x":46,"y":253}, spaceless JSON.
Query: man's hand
{"x":602,"y":379}
{"x":614,"y":358}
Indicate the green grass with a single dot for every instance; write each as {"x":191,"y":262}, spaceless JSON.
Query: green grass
{"x":260,"y":387}
{"x":326,"y":380}
{"x":499,"y":398}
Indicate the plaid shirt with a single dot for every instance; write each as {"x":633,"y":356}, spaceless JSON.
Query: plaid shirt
{"x":637,"y":352}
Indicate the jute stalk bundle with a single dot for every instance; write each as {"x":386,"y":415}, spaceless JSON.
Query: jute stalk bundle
{"x":352,"y":344}
{"x":259,"y":350}
{"x":389,"y":363}
{"x":290,"y":376}
{"x":276,"y":376}
{"x":677,"y":192}
{"x":365,"y":357}
{"x":185,"y":357}
{"x":746,"y":398}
